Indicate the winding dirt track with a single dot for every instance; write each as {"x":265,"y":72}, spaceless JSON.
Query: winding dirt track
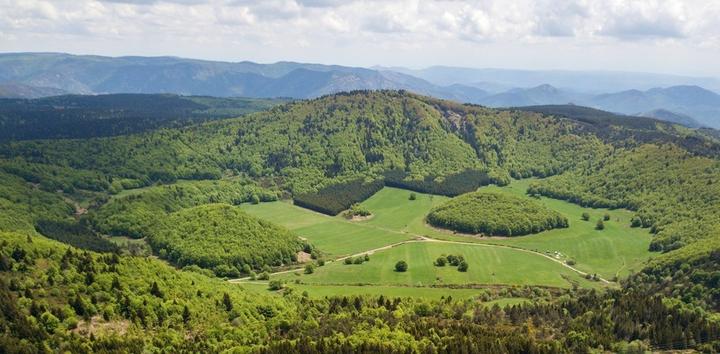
{"x":422,"y":238}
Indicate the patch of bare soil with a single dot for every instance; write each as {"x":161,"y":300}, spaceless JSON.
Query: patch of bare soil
{"x":361,"y":218}
{"x":303,"y":257}
{"x":98,"y":326}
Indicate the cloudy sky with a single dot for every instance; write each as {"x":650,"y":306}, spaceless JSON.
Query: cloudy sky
{"x":674,"y":36}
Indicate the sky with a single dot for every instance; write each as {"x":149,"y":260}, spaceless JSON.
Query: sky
{"x":674,"y":36}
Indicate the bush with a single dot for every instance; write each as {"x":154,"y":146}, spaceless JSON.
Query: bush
{"x":401,"y":266}
{"x":366,"y":257}
{"x":275,"y":284}
{"x":606,"y":217}
{"x":348,"y":260}
{"x":585,"y":216}
{"x":356,"y":210}
{"x":600,"y":225}
{"x":264,"y":276}
{"x":440,"y":262}
{"x":309,"y":268}
{"x":412,"y":196}
{"x":358,"y":260}
{"x":463,"y":266}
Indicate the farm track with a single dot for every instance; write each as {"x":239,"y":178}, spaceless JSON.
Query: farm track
{"x":423,"y":238}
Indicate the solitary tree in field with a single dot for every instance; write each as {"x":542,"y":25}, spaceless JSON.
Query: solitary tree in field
{"x":309,"y":268}
{"x":585,"y":216}
{"x":413,"y":196}
{"x":600,"y":225}
{"x":401,"y":266}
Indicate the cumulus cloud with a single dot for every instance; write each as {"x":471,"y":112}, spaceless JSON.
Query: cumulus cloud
{"x":238,"y":27}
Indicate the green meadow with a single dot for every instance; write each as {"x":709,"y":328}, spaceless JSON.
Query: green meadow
{"x":333,"y":236}
{"x":487,"y":265}
{"x":615,"y":251}
{"x":517,"y":261}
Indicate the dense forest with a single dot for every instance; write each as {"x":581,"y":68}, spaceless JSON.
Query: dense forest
{"x":54,"y":296}
{"x":495,"y":214}
{"x":156,"y":182}
{"x":224,"y":239}
{"x":75,"y":116}
{"x":338,"y":197}
{"x":133,"y":213}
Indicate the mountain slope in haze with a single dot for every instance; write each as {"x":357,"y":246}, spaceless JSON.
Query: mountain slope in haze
{"x":539,"y":95}
{"x":593,"y":82}
{"x":669,"y":116}
{"x":701,"y":104}
{"x":14,"y":90}
{"x":97,"y":74}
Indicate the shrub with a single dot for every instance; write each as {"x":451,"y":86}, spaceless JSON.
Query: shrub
{"x":309,"y":268}
{"x":412,"y":196}
{"x":275,"y":284}
{"x":606,"y":217}
{"x":348,"y":260}
{"x":440,"y":262}
{"x":366,"y":257}
{"x":264,"y":276}
{"x":401,"y":266}
{"x":358,"y":260}
{"x":585,"y":216}
{"x":463,"y":266}
{"x":600,"y":225}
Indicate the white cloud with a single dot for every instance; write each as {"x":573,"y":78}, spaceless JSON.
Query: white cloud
{"x":335,"y":30}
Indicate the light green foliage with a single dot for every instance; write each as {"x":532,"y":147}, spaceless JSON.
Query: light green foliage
{"x":131,"y":214}
{"x":223,"y":238}
{"x":495,"y":214}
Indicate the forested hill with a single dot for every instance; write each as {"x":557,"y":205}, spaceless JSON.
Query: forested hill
{"x":310,"y":143}
{"x":82,"y":116}
{"x":666,"y":174}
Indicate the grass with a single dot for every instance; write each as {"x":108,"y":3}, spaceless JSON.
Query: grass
{"x":615,"y":251}
{"x":488,"y":265}
{"x":321,"y":291}
{"x":333,"y":236}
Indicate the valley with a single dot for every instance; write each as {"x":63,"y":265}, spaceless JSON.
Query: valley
{"x":307,"y":225}
{"x":397,"y":230}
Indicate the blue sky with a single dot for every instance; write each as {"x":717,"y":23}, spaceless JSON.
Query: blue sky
{"x":674,"y":36}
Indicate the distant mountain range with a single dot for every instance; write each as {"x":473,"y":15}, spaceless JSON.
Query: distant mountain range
{"x":682,"y":100}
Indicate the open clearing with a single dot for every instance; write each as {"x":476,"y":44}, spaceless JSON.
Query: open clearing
{"x":397,"y":220}
{"x":334,"y":236}
{"x":616,"y":250}
{"x":488,"y":265}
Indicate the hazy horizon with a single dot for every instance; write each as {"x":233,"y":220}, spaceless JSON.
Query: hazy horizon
{"x":664,"y":37}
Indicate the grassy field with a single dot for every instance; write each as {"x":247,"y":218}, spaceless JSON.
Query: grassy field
{"x":488,"y":265}
{"x":616,"y":250}
{"x":333,"y":236}
{"x":321,"y":291}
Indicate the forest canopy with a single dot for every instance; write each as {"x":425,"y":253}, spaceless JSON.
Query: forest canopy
{"x":222,"y":238}
{"x":495,"y":214}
